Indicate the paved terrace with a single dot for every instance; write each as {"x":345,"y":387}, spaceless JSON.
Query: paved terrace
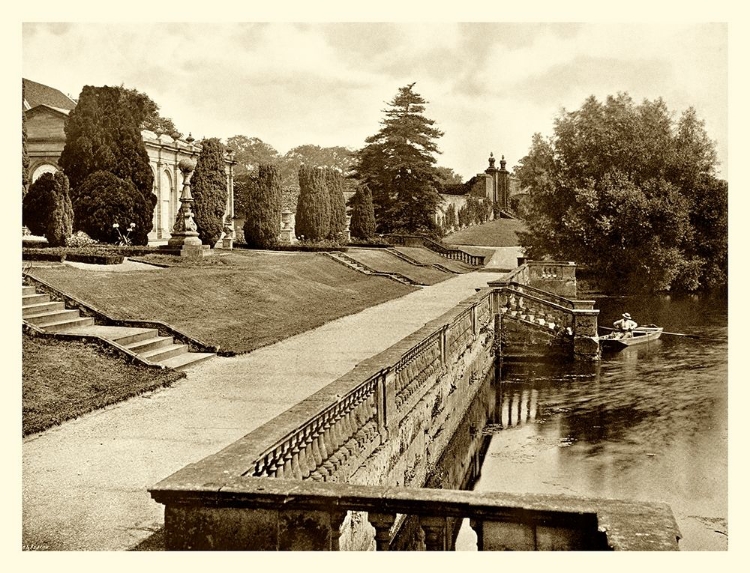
{"x":84,"y":483}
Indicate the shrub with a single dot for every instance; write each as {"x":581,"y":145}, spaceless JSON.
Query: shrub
{"x":263,"y":216}
{"x":81,"y":239}
{"x":363,"y":214}
{"x":313,"y":218}
{"x":337,"y":204}
{"x":105,"y":199}
{"x":47,"y":209}
{"x":209,"y":187}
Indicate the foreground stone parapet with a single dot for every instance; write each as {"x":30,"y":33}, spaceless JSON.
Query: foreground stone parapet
{"x":246,"y":513}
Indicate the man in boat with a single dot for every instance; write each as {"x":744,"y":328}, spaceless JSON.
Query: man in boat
{"x":625,"y":326}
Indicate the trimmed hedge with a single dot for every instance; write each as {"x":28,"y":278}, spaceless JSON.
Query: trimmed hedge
{"x":301,"y":248}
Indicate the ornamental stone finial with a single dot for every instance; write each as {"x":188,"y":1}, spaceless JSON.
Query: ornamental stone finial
{"x":492,"y":160}
{"x":190,"y":139}
{"x":502,"y":162}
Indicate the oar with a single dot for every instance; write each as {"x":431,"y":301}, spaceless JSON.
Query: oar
{"x":670,"y":333}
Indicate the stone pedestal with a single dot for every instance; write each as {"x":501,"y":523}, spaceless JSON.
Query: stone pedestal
{"x":184,"y":240}
{"x":286,"y":235}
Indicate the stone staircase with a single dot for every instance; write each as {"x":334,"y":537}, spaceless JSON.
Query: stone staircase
{"x":51,"y":316}
{"x":364,"y":269}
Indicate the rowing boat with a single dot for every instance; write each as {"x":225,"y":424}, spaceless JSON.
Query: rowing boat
{"x":641,"y":335}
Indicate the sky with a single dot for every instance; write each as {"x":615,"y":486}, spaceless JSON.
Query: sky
{"x":489,"y":85}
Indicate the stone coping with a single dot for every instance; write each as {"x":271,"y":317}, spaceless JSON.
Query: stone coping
{"x":629,"y":525}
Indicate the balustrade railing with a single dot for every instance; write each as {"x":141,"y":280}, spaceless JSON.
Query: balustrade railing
{"x":416,"y":367}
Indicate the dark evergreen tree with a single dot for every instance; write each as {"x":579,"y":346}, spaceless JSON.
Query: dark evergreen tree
{"x":105,"y":200}
{"x":362,"y":225}
{"x":209,"y":187}
{"x":313,"y":217}
{"x":337,"y":202}
{"x":398,"y":165}
{"x":47,"y":209}
{"x":103,"y":134}
{"x":263,"y":214}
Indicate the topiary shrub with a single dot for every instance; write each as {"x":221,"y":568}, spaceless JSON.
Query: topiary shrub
{"x":47,"y":209}
{"x":104,"y":199}
{"x":362,"y":225}
{"x":263,"y":215}
{"x":209,"y":188}
{"x":335,"y":184}
{"x":313,"y":217}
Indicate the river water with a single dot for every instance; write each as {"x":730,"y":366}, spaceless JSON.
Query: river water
{"x":648,"y":423}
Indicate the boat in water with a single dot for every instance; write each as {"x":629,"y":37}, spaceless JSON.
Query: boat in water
{"x":641,"y":335}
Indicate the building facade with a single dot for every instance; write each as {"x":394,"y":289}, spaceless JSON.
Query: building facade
{"x":47,"y":109}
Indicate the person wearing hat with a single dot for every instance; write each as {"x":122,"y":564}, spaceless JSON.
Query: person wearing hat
{"x":625,"y":326}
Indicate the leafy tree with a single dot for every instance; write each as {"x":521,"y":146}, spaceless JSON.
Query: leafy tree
{"x":104,"y":199}
{"x":446,"y":176}
{"x":263,"y":214}
{"x":397,"y":164}
{"x":144,"y":107}
{"x":624,"y":189}
{"x":337,"y":202}
{"x":47,"y":209}
{"x":250,"y":152}
{"x":362,"y":225}
{"x":103,"y":134}
{"x":313,"y":217}
{"x":25,"y":162}
{"x":209,"y":188}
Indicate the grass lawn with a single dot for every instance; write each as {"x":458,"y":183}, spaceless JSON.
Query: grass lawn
{"x":382,"y":260}
{"x":497,"y":233}
{"x":62,"y":380}
{"x":431,"y":257}
{"x":239,"y":301}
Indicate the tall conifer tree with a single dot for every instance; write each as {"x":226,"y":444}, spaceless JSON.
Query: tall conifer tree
{"x":398,"y":165}
{"x":263,"y":214}
{"x":209,"y":187}
{"x":313,"y":217}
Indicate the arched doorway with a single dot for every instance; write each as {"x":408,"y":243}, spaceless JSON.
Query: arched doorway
{"x":42,"y":169}
{"x":167,"y":203}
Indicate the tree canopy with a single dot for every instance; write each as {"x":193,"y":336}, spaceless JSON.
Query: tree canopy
{"x":628,"y":191}
{"x":263,"y":209}
{"x":398,"y":165}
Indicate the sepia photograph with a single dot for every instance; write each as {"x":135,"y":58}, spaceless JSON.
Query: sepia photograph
{"x":307,"y":284}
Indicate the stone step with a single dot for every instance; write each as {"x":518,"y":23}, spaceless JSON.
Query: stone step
{"x":40,"y":307}
{"x":28,"y":290}
{"x":52,"y":317}
{"x":134,"y":336}
{"x":34,"y":298}
{"x":141,"y":346}
{"x":183,"y":361}
{"x":160,"y":354}
{"x":68,"y":324}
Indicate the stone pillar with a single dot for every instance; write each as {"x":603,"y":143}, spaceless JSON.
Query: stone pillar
{"x":348,"y":232}
{"x":585,"y":335}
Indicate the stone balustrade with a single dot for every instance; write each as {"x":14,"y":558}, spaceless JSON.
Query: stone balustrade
{"x":279,"y":514}
{"x":448,"y":252}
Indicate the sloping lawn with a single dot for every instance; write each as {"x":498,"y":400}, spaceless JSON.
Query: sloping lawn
{"x":240,"y":302}
{"x":62,"y":380}
{"x":382,"y":260}
{"x":431,"y":257}
{"x":497,"y":233}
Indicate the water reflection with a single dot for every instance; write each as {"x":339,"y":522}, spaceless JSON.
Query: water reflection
{"x":647,"y":423}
